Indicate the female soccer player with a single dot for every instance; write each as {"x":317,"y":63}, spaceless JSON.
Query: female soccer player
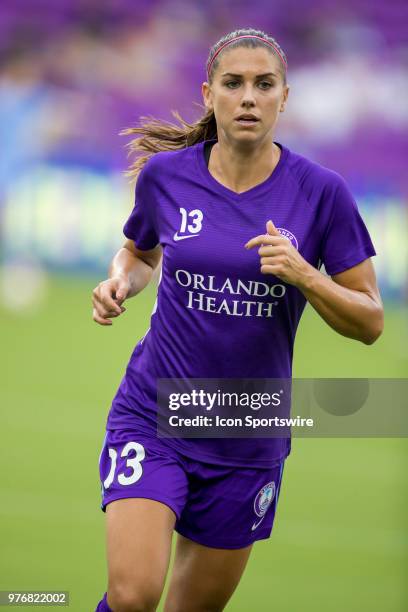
{"x":206,"y":194}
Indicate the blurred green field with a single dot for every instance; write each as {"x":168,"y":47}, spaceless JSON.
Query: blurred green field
{"x":340,"y":536}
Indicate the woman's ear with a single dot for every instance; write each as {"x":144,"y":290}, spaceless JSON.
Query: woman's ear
{"x":284,"y":98}
{"x":207,"y":95}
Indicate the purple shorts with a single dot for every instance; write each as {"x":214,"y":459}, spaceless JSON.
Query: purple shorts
{"x":215,"y":505}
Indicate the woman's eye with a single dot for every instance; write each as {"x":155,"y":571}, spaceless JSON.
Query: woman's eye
{"x":262,"y":84}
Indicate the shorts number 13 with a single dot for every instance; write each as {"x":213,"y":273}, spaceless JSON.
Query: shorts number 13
{"x":135,"y":463}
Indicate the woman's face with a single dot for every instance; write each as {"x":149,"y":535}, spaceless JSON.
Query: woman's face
{"x":246,"y":81}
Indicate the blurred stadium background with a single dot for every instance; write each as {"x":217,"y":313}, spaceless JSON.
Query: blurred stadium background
{"x":73,"y":74}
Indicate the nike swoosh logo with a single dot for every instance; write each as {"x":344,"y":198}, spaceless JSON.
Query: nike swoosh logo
{"x":177,"y":237}
{"x":255,"y":525}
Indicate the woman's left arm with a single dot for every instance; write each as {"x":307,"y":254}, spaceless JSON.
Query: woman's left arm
{"x":349,"y":301}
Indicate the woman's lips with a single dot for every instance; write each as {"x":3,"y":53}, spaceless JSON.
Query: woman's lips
{"x":247,"y":122}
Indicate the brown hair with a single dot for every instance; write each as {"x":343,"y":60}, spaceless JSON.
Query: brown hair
{"x":154,"y":135}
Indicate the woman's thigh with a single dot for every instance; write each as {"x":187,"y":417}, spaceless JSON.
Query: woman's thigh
{"x":203,"y":578}
{"x":139,"y":533}
{"x":144,"y":488}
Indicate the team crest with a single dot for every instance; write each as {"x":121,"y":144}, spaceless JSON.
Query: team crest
{"x":264,"y":499}
{"x":287,"y":234}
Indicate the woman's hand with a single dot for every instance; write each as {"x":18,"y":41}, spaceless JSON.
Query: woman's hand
{"x":280,"y":257}
{"x":107,"y":299}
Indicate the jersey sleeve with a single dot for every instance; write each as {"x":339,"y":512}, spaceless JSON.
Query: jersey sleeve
{"x":346,"y":241}
{"x":141,"y":226}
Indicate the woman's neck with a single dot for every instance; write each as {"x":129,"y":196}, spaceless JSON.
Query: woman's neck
{"x":240,"y":169}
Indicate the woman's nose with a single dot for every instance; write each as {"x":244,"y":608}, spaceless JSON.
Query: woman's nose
{"x":248,"y":96}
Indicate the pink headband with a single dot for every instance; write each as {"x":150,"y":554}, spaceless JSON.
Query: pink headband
{"x":271,"y":44}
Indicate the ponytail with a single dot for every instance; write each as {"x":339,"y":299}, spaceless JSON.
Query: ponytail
{"x":154,"y":135}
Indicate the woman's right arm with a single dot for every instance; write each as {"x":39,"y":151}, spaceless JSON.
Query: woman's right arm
{"x":130,"y":271}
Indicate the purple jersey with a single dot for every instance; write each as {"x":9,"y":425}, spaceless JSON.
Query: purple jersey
{"x":216,"y":315}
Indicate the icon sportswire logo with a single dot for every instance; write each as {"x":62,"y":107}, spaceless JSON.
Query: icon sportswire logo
{"x":193,"y":228}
